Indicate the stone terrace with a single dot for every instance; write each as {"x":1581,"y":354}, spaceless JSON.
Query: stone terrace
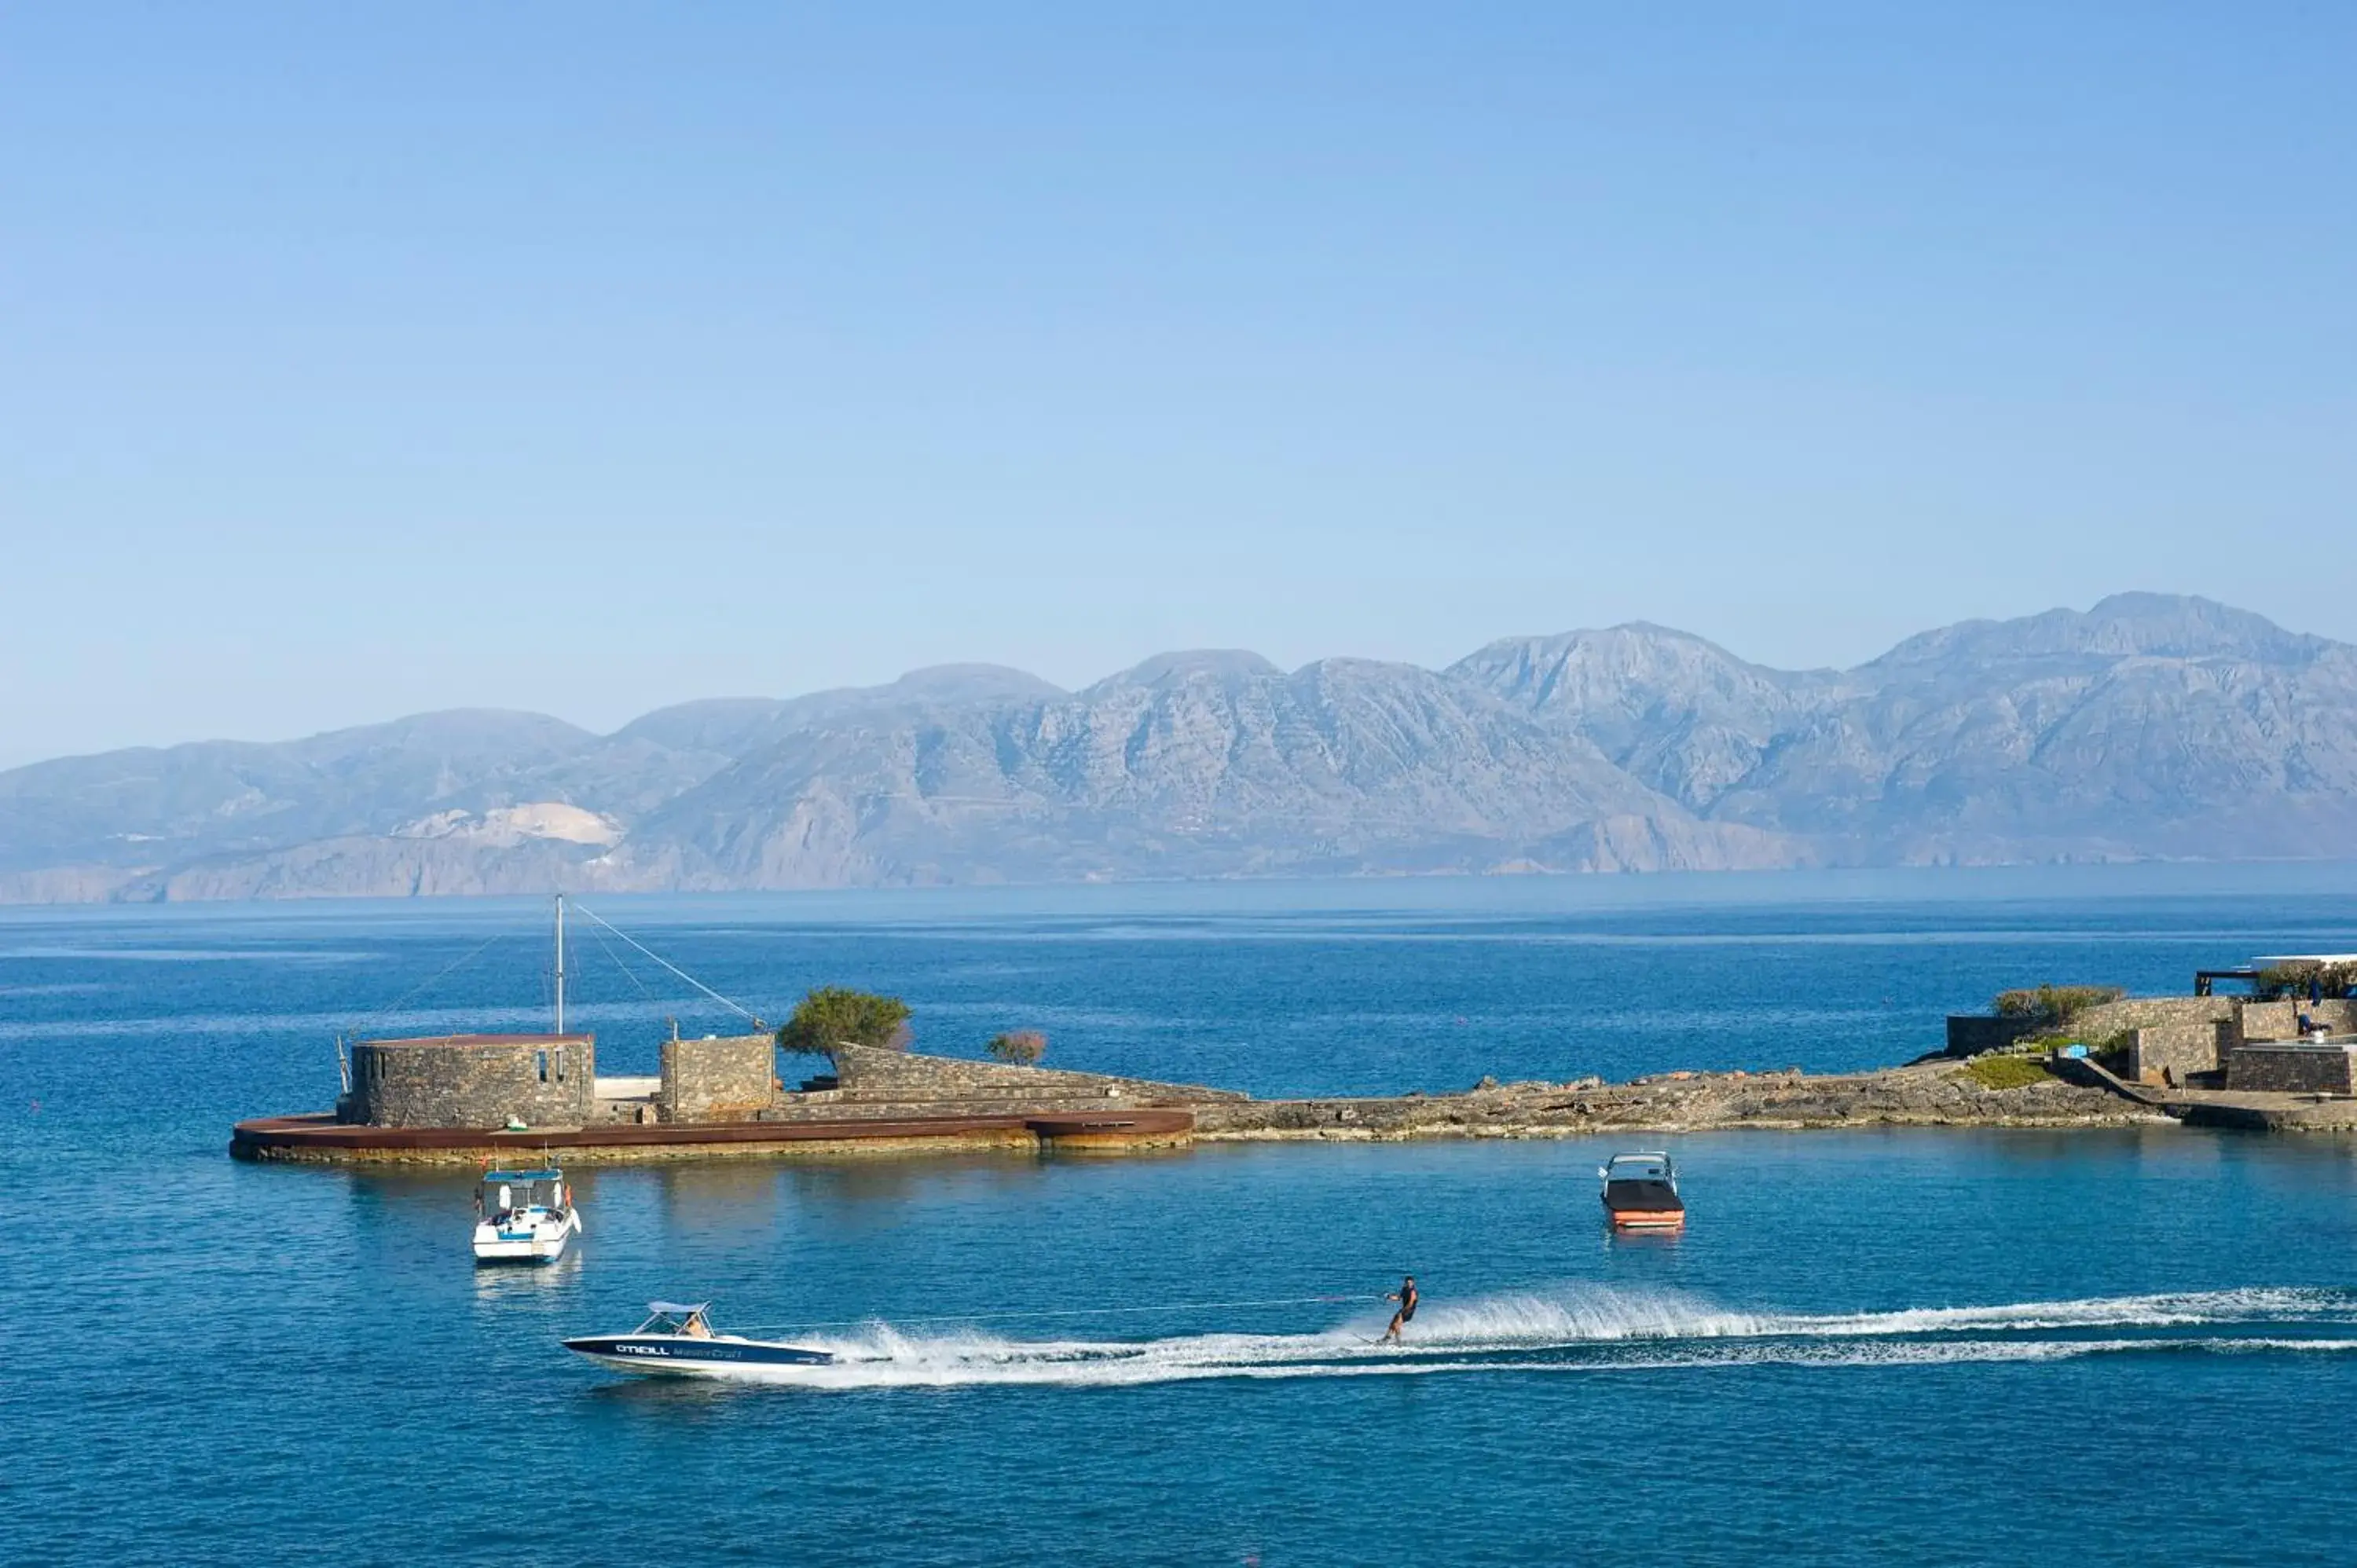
{"x":871,"y":1082}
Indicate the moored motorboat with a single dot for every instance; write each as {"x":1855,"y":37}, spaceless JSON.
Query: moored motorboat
{"x":523,"y":1217}
{"x":677,"y":1340}
{"x":1640,"y":1192}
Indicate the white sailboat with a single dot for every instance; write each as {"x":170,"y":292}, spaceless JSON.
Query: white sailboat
{"x":528,"y":1216}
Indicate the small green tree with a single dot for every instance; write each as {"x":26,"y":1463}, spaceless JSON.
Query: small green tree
{"x":2293,"y":980}
{"x":1021,"y":1047}
{"x":835,"y":1014}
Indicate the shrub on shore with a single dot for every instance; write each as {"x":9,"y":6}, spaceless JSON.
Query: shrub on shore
{"x":1995,"y":1071}
{"x":835,"y":1015}
{"x":2054,"y":1003}
{"x":2295,"y":980}
{"x":1020,"y":1048}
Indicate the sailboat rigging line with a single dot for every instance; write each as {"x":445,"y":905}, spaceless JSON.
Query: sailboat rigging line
{"x":438,"y":976}
{"x":659,"y":958}
{"x":606,"y":948}
{"x":1058,"y":1312}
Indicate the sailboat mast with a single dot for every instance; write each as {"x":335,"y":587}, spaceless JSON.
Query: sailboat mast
{"x":560,"y":963}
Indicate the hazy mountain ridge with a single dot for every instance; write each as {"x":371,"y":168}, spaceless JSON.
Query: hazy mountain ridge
{"x":1189,"y":765}
{"x":2151,"y":726}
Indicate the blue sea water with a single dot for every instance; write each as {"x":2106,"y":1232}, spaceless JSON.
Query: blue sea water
{"x":1943,"y":1347}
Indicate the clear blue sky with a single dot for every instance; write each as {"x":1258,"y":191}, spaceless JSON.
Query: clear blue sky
{"x":362,"y":360}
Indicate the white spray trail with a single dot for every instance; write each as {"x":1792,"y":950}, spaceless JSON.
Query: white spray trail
{"x":1591,"y":1329}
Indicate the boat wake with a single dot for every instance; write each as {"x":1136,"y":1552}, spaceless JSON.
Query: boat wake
{"x":1592,"y":1329}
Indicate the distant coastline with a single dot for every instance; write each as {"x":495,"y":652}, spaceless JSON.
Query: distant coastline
{"x":1439,"y":892}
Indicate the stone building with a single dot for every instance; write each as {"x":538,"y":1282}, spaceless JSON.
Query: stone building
{"x":2204,"y":1041}
{"x":486,"y":1081}
{"x":472,"y":1080}
{"x":729,"y":1077}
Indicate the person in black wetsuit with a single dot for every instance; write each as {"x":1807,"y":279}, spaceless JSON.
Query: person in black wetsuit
{"x":1406,"y":1295}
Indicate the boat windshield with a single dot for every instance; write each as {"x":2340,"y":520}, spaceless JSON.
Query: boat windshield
{"x":1638,"y":1167}
{"x":504,"y":1191}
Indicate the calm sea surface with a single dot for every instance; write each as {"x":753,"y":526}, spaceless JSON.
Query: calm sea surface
{"x":1935,"y":1347}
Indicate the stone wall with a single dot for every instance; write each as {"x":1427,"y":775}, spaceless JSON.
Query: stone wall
{"x":2288,"y":1069}
{"x":2265,"y":1021}
{"x":465,"y":1081}
{"x":866,"y":1071}
{"x":727,"y":1079}
{"x":2105,"y":1019}
{"x":1971,"y":1034}
{"x":2171,"y":1053}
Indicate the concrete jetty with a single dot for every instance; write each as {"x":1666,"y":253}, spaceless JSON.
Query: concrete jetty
{"x":466,"y":1099}
{"x":320,"y":1139}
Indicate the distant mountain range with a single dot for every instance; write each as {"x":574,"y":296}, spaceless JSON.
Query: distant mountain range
{"x":2149,"y":726}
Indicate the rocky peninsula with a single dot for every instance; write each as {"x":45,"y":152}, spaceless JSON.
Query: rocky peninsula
{"x":446,"y":1101}
{"x":2054,"y":1058}
{"x":1938,"y":1093}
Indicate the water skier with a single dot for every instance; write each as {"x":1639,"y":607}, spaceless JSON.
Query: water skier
{"x":1406,"y":1295}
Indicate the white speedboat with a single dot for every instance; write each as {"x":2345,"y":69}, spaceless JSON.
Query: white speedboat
{"x":1640,"y":1192}
{"x":524,"y":1217}
{"x":677,"y":1340}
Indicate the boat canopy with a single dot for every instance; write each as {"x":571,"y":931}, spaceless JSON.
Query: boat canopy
{"x":675,"y":1308}
{"x":509,"y":1191}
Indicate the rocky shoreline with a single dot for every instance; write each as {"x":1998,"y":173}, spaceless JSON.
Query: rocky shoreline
{"x":887,"y":1102}
{"x":1937,"y":1093}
